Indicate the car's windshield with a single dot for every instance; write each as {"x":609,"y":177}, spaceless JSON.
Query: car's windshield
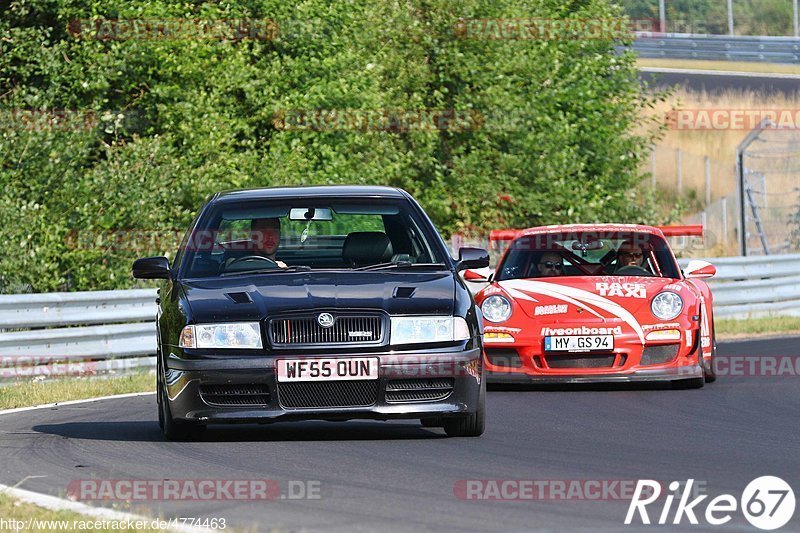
{"x":290,"y":235}
{"x":595,"y":253}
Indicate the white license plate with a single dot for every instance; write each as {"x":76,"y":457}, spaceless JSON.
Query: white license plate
{"x":579,"y":343}
{"x":327,"y":369}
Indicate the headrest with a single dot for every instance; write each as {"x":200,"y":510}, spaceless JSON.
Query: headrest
{"x":366,"y":248}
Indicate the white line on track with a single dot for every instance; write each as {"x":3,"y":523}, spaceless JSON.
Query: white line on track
{"x":774,"y":75}
{"x":55,"y":503}
{"x":73,"y":402}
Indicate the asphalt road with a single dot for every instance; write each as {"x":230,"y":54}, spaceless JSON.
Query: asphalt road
{"x":715,"y":83}
{"x":399,"y":476}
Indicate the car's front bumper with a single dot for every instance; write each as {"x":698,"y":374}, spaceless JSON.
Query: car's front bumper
{"x":184,"y":378}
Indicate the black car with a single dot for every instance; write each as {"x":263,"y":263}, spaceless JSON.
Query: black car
{"x":329,"y":303}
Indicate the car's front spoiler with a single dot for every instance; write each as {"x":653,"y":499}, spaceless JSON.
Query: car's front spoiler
{"x":643,"y":375}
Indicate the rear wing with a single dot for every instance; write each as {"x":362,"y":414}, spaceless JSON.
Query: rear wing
{"x":496,"y":236}
{"x":691,"y":230}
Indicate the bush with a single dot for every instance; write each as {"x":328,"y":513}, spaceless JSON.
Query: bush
{"x":165,"y":123}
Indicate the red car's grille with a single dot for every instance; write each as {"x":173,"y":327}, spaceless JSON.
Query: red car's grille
{"x":580,"y":361}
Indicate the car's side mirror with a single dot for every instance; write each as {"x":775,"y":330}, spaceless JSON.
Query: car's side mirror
{"x":472,"y":258}
{"x":152,"y":268}
{"x":697,"y":269}
{"x":478,"y":275}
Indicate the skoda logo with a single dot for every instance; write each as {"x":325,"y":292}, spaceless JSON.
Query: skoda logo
{"x":325,"y":320}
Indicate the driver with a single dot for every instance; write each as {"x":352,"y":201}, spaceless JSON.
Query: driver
{"x":265,"y":234}
{"x":550,"y":265}
{"x":629,"y":254}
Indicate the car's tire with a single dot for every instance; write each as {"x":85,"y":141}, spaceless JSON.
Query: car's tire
{"x":472,"y":425}
{"x":176,"y":430}
{"x":431,"y":422}
{"x":709,"y":372}
{"x":159,"y":384}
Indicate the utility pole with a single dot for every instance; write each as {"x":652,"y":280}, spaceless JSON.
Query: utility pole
{"x":796,"y":25}
{"x":662,"y":16}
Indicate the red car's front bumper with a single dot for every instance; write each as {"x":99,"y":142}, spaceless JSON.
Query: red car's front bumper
{"x":524,"y":360}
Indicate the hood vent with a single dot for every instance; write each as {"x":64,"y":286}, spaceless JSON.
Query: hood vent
{"x":239,"y":297}
{"x":404,"y":292}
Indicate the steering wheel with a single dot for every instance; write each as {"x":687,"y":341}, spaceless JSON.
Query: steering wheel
{"x":251,"y":258}
{"x":633,"y":271}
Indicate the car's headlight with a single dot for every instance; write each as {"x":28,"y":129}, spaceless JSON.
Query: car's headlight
{"x":230,"y":335}
{"x":667,"y":305}
{"x":496,"y":308}
{"x":415,"y":329}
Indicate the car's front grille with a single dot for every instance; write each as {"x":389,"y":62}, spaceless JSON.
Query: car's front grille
{"x":346,"y":329}
{"x":508,"y":357}
{"x":317,"y":394}
{"x":235,"y":395}
{"x":418,"y":390}
{"x":580,"y":361}
{"x":659,"y":354}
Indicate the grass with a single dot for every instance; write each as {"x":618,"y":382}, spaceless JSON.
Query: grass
{"x":730,"y":66}
{"x":31,"y":392}
{"x":21,"y":513}
{"x":730,"y":328}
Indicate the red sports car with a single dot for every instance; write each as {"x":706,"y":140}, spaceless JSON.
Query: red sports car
{"x":595,"y":303}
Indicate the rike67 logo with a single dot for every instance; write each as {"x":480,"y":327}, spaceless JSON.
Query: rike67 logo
{"x":767,"y":502}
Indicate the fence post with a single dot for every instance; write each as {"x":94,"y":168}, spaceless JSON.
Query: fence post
{"x":730,"y":18}
{"x":724,"y":207}
{"x":653,"y":165}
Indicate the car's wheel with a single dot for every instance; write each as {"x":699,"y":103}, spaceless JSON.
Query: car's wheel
{"x":431,"y":422}
{"x":709,"y":371}
{"x":472,"y":425}
{"x":176,"y":430}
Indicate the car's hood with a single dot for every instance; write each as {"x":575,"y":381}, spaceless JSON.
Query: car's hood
{"x":258,"y":296}
{"x":599,"y":293}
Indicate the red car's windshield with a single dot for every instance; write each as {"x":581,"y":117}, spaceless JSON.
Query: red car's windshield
{"x":594,"y":253}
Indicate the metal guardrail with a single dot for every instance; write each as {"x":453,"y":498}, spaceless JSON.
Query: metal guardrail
{"x":91,"y":332}
{"x":718,"y":47}
{"x":753,"y":286}
{"x":110,"y":326}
